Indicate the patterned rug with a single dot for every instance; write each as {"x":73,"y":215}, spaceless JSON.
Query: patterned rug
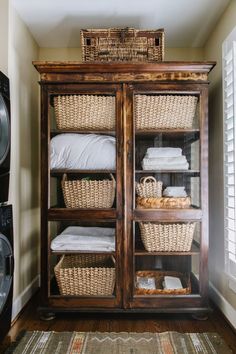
{"x":119,"y":343}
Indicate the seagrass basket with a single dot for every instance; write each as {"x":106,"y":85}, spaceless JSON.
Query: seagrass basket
{"x":164,"y":111}
{"x":164,"y":203}
{"x":159,"y":278}
{"x":149,"y":187}
{"x":85,"y":274}
{"x":167,"y":237}
{"x":122,"y":44}
{"x":84,"y":112}
{"x":85,"y":193}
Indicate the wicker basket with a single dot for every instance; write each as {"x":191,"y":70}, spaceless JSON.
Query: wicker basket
{"x":88,"y":193}
{"x":149,"y":187}
{"x":122,"y":44}
{"x":88,"y":274}
{"x":159,"y":278}
{"x":163,"y":237}
{"x":164,"y":203}
{"x":85,"y":112}
{"x":164,"y":111}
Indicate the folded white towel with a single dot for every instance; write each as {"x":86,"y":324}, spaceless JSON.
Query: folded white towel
{"x":77,"y":238}
{"x":164,"y":160}
{"x":174,"y":191}
{"x":172,"y":283}
{"x":163,"y":152}
{"x":167,"y":167}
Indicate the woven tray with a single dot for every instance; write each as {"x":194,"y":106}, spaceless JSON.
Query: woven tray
{"x":122,"y":44}
{"x":85,"y":112}
{"x":88,"y":194}
{"x":164,"y":111}
{"x":167,"y":237}
{"x":164,"y":203}
{"x":148,"y":187}
{"x":159,"y":278}
{"x":85,"y":275}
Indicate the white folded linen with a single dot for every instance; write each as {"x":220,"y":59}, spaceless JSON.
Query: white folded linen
{"x":163,"y":152}
{"x":78,"y":238}
{"x":83,"y":151}
{"x":167,"y":167}
{"x":164,"y":160}
{"x":174,"y":191}
{"x":172,"y":283}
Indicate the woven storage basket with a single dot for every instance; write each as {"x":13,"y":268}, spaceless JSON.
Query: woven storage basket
{"x":163,"y":237}
{"x":88,"y":194}
{"x":85,"y":112}
{"x":164,"y":203}
{"x":88,"y":274}
{"x":164,"y":111}
{"x":159,"y":278}
{"x":149,"y":187}
{"x":122,"y":44}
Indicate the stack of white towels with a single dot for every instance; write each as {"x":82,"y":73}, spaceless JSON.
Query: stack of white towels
{"x":79,"y":238}
{"x":172,"y":283}
{"x":164,"y":158}
{"x":175,"y":191}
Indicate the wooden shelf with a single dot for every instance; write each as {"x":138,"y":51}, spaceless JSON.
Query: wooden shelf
{"x":77,"y":131}
{"x":56,"y":172}
{"x":82,"y":214}
{"x":168,"y":132}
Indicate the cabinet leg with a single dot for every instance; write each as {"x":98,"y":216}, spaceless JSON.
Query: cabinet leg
{"x":47,"y":315}
{"x":200,"y":316}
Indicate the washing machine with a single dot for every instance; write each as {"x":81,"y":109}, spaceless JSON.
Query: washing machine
{"x":6,"y":268}
{"x":5,"y":137}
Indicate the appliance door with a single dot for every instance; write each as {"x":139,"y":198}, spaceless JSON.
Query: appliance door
{"x":4,"y":130}
{"x":6,"y":270}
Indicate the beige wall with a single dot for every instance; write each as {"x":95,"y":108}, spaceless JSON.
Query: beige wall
{"x":4,"y":9}
{"x":213,"y":51}
{"x":24,"y":181}
{"x":76,"y":54}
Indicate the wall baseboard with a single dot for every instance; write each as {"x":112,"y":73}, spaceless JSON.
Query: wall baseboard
{"x":224,"y":306}
{"x":24,"y":297}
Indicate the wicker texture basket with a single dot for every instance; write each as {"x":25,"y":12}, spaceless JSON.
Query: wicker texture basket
{"x":164,"y":203}
{"x":85,"y":275}
{"x":122,"y":44}
{"x":164,"y":111}
{"x":85,"y":112}
{"x":163,"y":237}
{"x":88,"y":193}
{"x":159,"y":278}
{"x":149,"y":187}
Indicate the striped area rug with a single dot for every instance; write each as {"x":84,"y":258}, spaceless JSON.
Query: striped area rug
{"x":119,"y":343}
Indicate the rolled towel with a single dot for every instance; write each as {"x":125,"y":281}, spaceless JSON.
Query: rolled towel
{"x":174,"y":192}
{"x":163,"y":152}
{"x":172,"y":283}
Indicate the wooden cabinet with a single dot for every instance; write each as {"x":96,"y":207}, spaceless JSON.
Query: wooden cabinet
{"x":129,"y":86}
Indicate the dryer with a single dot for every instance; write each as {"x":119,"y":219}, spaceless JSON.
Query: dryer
{"x":5,"y":137}
{"x":6,"y":268}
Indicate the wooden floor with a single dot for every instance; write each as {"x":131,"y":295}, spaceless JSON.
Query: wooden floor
{"x":29,"y":320}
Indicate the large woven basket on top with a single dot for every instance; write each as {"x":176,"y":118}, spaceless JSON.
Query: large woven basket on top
{"x":164,"y":203}
{"x":122,"y":44}
{"x":164,"y":111}
{"x":85,"y":274}
{"x":159,"y":278}
{"x":149,"y":187}
{"x":167,"y":237}
{"x":88,"y":193}
{"x":84,"y":112}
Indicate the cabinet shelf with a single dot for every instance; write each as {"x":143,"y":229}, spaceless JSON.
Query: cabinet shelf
{"x":82,"y":214}
{"x":55,"y":132}
{"x":58,"y":172}
{"x":142,"y":252}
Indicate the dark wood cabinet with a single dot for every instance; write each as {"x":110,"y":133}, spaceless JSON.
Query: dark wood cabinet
{"x":127,"y":84}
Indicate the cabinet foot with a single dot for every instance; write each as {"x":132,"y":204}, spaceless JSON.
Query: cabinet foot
{"x":47,"y":316}
{"x":200,"y":316}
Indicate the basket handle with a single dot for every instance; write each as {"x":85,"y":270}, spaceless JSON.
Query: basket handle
{"x":145,"y":179}
{"x":112,"y":177}
{"x":64,"y":178}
